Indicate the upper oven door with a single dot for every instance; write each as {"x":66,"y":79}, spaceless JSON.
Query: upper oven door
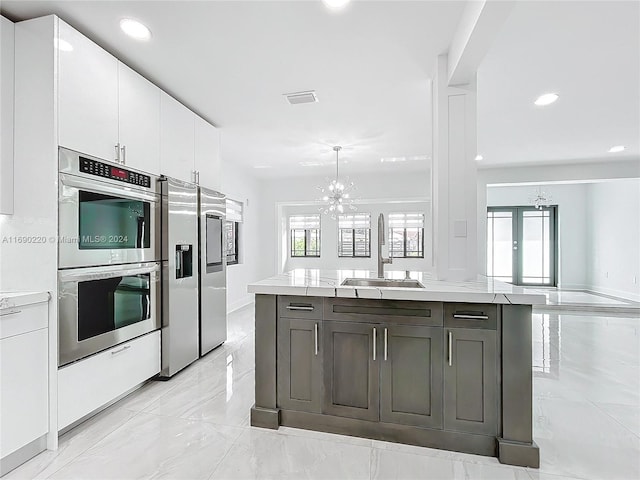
{"x":101,"y":223}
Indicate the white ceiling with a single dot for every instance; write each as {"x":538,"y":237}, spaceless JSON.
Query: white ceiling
{"x":370,"y":65}
{"x":232,"y":61}
{"x":587,"y":52}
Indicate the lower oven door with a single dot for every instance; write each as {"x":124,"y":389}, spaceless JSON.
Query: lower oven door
{"x":103,"y":306}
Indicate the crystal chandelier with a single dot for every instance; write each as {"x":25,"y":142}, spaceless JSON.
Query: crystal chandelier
{"x":540,"y":198}
{"x":337,"y":195}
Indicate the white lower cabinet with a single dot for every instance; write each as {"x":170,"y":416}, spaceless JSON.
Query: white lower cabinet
{"x":90,"y":384}
{"x":24,"y":377}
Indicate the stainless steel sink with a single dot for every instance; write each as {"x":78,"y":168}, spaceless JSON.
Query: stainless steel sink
{"x":381,"y":282}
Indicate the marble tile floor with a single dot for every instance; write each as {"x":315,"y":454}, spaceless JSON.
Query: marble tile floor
{"x":196,"y":426}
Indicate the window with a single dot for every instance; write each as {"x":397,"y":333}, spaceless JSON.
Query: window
{"x":406,"y":235}
{"x":235,"y":216}
{"x":305,"y":235}
{"x":354,"y":235}
{"x":231,"y":242}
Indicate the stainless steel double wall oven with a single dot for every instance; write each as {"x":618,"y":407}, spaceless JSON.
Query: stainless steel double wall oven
{"x":108,"y":255}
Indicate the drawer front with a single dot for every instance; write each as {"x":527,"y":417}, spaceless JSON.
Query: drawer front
{"x":89,"y":384}
{"x":18,"y":320}
{"x":383,"y":311}
{"x":471,"y":315}
{"x":300,"y":307}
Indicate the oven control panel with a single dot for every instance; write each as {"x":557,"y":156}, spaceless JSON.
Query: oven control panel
{"x":99,"y":169}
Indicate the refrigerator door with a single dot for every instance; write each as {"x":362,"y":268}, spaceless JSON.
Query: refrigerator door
{"x":179,"y":275}
{"x":213,"y":270}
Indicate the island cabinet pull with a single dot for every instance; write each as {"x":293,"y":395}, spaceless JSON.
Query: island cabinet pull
{"x":315,"y":331}
{"x":13,"y":312}
{"x":385,"y":344}
{"x":470,"y":317}
{"x":450,"y":347}
{"x":300,"y":307}
{"x":374,"y":344}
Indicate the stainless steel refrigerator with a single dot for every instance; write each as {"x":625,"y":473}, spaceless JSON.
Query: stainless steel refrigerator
{"x":213,"y":269}
{"x":179,"y":247}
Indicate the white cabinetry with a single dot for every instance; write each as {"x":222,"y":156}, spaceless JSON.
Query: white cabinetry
{"x":176,"y":139}
{"x":88,"y":95}
{"x":7,"y":42}
{"x":139,"y":120}
{"x":24,"y":379}
{"x":207,"y":155}
{"x":90,"y":384}
{"x":105,"y":108}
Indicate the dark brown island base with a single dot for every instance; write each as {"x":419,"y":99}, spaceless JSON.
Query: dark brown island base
{"x":453,"y":376}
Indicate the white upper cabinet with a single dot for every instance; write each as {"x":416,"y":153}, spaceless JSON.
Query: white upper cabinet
{"x":207,"y":155}
{"x":139,"y":120}
{"x":176,"y":139}
{"x":88,"y":95}
{"x":7,"y":35}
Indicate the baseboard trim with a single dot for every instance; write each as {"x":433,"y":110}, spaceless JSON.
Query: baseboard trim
{"x":611,"y":293}
{"x":22,"y":455}
{"x":238,"y":304}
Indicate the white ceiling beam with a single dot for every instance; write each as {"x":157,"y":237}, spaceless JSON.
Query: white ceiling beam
{"x":480,"y":22}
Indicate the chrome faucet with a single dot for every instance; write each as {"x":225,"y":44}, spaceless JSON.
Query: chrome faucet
{"x":381,"y":260}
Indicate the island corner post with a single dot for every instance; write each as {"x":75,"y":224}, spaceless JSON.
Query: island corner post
{"x":514,"y":440}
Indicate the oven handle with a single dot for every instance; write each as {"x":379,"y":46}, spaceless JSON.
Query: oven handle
{"x":100,"y":273}
{"x":104,"y":187}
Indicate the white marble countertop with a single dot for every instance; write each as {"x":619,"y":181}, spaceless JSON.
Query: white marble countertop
{"x":20,"y":299}
{"x":326,"y":283}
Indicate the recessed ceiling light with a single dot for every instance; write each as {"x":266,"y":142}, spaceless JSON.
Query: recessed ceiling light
{"x":546,"y":99}
{"x":336,"y":4}
{"x":479,"y":157}
{"x":617,"y":148}
{"x":135,"y":29}
{"x":62,"y":45}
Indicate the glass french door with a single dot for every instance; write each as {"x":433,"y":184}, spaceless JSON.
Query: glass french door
{"x":522,"y":245}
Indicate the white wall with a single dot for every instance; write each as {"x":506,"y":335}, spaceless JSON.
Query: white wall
{"x":329,"y":259}
{"x":613,"y":238}
{"x":240,"y":185}
{"x":572,"y":225}
{"x":278,"y":194}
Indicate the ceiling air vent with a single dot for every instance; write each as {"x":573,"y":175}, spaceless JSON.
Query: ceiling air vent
{"x":301,"y":97}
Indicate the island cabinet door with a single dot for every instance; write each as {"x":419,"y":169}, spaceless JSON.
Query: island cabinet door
{"x":299,"y":358}
{"x":351,"y":372}
{"x":470,"y":381}
{"x":411,"y":376}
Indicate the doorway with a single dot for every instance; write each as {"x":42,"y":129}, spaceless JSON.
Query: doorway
{"x":522,"y":245}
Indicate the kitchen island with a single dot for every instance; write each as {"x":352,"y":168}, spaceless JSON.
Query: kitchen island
{"x":441,"y":364}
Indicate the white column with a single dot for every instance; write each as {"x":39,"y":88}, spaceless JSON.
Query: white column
{"x":454,"y":177}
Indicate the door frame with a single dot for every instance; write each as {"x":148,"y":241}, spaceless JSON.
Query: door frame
{"x":517,"y":225}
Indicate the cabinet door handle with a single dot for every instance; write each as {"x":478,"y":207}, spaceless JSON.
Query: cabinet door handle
{"x":374,"y":344}
{"x":117,"y":153}
{"x":471,"y":317}
{"x":385,"y":344}
{"x":123,"y":149}
{"x":300,"y":307}
{"x":13,"y":312}
{"x":315,"y":329}
{"x":450,"y":347}
{"x":126,"y":347}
